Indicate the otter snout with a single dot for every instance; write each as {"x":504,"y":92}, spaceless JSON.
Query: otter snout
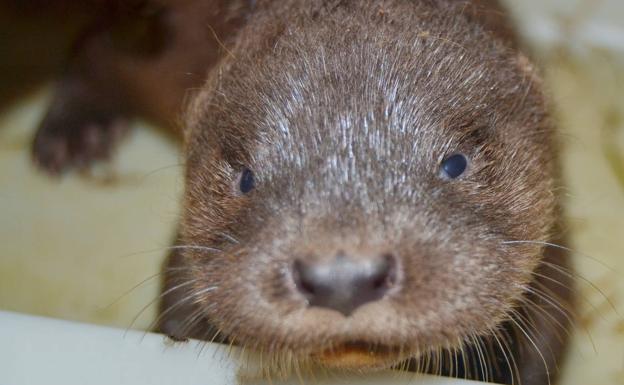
{"x":344,"y":283}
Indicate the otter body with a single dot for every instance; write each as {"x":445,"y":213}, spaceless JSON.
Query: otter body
{"x":368,"y":184}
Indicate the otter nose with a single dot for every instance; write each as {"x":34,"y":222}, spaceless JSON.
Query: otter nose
{"x":343,"y":284}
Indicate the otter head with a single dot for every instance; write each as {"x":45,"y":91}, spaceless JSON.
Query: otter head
{"x":360,"y":192}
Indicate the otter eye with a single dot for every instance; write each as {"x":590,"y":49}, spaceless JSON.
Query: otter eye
{"x":454,"y":166}
{"x":247,"y":181}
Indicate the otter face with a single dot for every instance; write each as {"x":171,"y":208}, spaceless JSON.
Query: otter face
{"x":362,"y":191}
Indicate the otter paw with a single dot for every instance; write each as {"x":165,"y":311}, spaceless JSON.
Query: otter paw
{"x":64,"y":141}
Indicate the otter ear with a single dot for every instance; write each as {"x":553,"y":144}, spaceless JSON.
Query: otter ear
{"x":192,"y":116}
{"x":528,"y":69}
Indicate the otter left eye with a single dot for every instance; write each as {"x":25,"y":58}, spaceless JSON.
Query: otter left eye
{"x":454,"y":166}
{"x":247,"y":181}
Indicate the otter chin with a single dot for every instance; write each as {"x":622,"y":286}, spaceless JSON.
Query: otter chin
{"x":359,"y":356}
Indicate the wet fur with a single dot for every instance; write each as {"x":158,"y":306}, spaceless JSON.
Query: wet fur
{"x":344,"y":111}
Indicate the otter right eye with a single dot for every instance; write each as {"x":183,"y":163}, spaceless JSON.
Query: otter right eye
{"x":454,"y":166}
{"x":247,"y":181}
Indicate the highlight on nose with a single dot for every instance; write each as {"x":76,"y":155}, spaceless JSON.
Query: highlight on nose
{"x":344,"y":284}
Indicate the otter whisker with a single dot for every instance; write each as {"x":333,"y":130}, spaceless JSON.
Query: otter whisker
{"x":473,"y":359}
{"x":526,"y":319}
{"x":564,"y":304}
{"x":244,"y":356}
{"x":492,"y":357}
{"x":228,"y":237}
{"x":503,"y":351}
{"x":571,"y":274}
{"x":454,"y":363}
{"x":174,"y":306}
{"x":438,"y":357}
{"x":429,"y":359}
{"x":506,"y":339}
{"x":230,"y":347}
{"x":191,"y":321}
{"x":448,"y":356}
{"x":481,"y":357}
{"x":169,"y":248}
{"x":549,"y":318}
{"x":166,"y":292}
{"x":147,"y":175}
{"x":144,"y":281}
{"x":297,"y":369}
{"x":403,"y":365}
{"x":492,"y":364}
{"x":566,"y":311}
{"x":572,"y":288}
{"x":577,"y":293}
{"x":464,"y":360}
{"x":532,"y":342}
{"x":449,"y":351}
{"x":206,"y":342}
{"x":552,"y":302}
{"x":142,"y":252}
{"x":263,"y":366}
{"x":574,"y":314}
{"x":467,"y":360}
{"x":196,"y":247}
{"x":560,"y":247}
{"x":215,"y":335}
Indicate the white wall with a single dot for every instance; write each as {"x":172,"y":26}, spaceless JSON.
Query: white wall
{"x":576,"y":24}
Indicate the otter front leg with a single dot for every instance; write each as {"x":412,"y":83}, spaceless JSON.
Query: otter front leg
{"x":94,"y":99}
{"x":81,"y":126}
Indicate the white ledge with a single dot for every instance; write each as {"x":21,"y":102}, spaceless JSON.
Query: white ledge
{"x":37,"y":350}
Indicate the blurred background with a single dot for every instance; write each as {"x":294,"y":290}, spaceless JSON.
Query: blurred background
{"x":89,"y":247}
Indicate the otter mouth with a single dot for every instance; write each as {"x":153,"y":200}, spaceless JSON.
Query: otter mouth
{"x":359,"y":355}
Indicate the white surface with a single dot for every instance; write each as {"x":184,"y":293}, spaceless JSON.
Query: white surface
{"x":38,"y":351}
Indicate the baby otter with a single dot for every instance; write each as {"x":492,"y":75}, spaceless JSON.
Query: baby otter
{"x":368,"y":184}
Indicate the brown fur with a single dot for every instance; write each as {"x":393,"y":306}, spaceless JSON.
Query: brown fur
{"x":344,"y":110}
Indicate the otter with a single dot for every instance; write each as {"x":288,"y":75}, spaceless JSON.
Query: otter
{"x":367,"y":184}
